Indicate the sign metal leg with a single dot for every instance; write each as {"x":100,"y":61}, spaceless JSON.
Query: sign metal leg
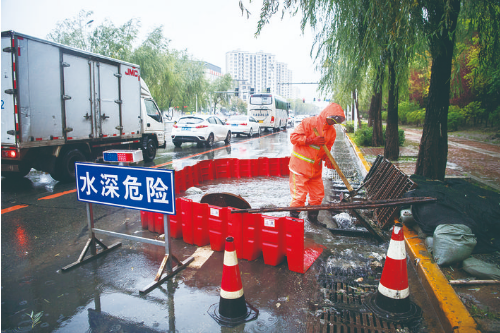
{"x":91,"y":244}
{"x":166,"y":263}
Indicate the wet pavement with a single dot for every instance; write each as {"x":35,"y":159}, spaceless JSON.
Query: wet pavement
{"x":466,"y":158}
{"x":479,"y":162}
{"x":103,"y":296}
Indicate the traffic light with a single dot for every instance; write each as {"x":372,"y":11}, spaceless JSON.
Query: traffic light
{"x":252,"y":91}
{"x":314,"y":99}
{"x":236,"y":91}
{"x":303,"y":100}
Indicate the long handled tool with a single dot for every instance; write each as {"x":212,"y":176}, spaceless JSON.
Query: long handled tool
{"x":352,"y":192}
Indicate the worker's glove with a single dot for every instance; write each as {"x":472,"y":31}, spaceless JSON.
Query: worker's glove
{"x":329,"y":164}
{"x":319,"y":140}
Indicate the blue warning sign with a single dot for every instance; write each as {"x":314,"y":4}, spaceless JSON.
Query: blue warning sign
{"x":128,"y":187}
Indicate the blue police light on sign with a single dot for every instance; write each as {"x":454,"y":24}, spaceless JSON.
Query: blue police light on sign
{"x":128,"y":187}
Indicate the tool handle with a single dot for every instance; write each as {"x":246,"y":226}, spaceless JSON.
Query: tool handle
{"x":335,"y":165}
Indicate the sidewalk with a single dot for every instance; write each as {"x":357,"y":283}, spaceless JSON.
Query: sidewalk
{"x":466,"y":158}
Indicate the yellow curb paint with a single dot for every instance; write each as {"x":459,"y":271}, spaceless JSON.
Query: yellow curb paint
{"x":451,"y":311}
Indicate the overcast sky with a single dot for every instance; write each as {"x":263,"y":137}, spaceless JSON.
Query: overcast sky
{"x":206,"y":28}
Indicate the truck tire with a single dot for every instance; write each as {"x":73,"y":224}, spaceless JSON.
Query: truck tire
{"x":64,"y":170}
{"x":148,"y":149}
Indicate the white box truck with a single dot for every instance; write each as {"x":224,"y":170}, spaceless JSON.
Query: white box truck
{"x":61,"y":105}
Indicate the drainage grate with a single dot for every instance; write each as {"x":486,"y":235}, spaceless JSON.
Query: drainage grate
{"x":331,"y":321}
{"x":339,"y":309}
{"x":339,"y":303}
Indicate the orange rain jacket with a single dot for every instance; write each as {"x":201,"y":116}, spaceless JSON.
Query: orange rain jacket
{"x":306,"y":160}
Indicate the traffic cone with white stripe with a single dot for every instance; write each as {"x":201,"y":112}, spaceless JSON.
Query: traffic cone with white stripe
{"x":232,"y":309}
{"x":392,"y":300}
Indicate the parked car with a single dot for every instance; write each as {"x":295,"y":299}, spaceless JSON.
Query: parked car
{"x":202,"y":129}
{"x":298,"y":119}
{"x":243,"y":124}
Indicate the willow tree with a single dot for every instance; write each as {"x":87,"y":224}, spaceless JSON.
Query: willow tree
{"x":157,"y":67}
{"x":105,"y":39}
{"x":353,"y":38}
{"x":218,"y":88}
{"x":434,"y":21}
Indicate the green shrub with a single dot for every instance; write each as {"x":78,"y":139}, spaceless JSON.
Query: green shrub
{"x":473,"y":111}
{"x":384,"y":115}
{"x":349,"y":126}
{"x":402,"y":138}
{"x":455,"y":117}
{"x":363,"y":136}
{"x":416,"y":117}
{"x":494,"y":117}
{"x":404,"y":108}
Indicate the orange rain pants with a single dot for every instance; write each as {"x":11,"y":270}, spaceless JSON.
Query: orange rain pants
{"x":300,"y":186}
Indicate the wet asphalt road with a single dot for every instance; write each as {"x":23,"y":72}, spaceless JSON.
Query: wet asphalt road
{"x":49,"y":232}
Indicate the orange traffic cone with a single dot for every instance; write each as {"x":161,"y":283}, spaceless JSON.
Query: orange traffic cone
{"x":392,"y":300}
{"x":232,"y":309}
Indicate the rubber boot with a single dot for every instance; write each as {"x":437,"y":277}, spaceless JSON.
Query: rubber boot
{"x":312,"y":215}
{"x":295,"y":214}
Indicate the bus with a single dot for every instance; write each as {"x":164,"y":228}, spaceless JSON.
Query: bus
{"x":270,"y":111}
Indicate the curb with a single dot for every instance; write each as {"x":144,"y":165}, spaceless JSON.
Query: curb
{"x":452,"y":313}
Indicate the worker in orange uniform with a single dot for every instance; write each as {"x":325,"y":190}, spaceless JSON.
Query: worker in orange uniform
{"x":307,"y":156}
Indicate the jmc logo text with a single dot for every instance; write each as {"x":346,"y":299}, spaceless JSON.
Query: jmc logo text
{"x":132,"y":72}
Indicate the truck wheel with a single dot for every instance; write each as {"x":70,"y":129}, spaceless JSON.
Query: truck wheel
{"x":65,"y":165}
{"x":148,"y":149}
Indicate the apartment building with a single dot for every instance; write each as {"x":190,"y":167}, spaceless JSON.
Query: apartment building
{"x":211,"y":71}
{"x":260,"y":71}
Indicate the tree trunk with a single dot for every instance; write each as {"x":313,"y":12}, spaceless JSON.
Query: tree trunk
{"x":373,"y":102}
{"x":433,"y":152}
{"x":391,"y":150}
{"x":357,"y":108}
{"x":377,"y":137}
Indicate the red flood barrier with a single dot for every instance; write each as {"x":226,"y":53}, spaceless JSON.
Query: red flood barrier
{"x":217,"y":226}
{"x":273,"y":239}
{"x":255,"y":235}
{"x":176,"y":221}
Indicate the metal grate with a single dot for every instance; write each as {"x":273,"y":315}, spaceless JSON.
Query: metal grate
{"x":331,"y":321}
{"x":386,"y":181}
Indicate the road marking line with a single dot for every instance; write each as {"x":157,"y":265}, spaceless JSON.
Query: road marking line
{"x":13,"y":208}
{"x":52,"y":196}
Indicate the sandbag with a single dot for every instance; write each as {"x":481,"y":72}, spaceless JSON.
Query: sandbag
{"x":452,"y":243}
{"x":481,"y":269}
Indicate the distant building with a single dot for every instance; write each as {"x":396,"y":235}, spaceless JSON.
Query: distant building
{"x":260,"y":71}
{"x":212,"y":72}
